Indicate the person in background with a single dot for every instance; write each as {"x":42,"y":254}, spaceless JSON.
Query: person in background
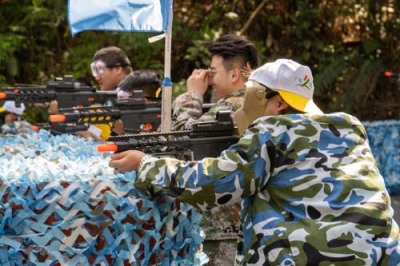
{"x":109,"y":67}
{"x":233,"y":58}
{"x":146,"y":80}
{"x":310,"y":189}
{"x":142,"y":85}
{"x":14,"y":121}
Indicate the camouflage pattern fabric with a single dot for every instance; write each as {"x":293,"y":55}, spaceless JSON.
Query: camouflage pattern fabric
{"x":223,"y":232}
{"x":221,"y":225}
{"x":18,"y":126}
{"x":188,"y":108}
{"x":310,"y":188}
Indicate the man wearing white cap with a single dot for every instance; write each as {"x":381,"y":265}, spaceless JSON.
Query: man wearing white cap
{"x":310,"y":188}
{"x":14,"y":121}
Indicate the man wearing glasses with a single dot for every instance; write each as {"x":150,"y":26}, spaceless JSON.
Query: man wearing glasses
{"x":110,"y":66}
{"x":233,"y":57}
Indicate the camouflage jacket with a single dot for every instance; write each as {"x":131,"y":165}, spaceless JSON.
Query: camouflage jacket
{"x":310,"y":188}
{"x":188,"y":108}
{"x":17,"y":126}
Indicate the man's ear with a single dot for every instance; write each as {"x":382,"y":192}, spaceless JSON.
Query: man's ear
{"x":236,"y":74}
{"x":118,"y":70}
{"x":282,"y":105}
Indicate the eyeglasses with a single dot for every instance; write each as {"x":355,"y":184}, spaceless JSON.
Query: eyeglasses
{"x":99,"y":67}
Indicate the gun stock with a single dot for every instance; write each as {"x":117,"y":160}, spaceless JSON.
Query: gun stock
{"x":207,"y":139}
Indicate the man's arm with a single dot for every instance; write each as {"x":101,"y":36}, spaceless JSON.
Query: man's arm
{"x":187,"y":107}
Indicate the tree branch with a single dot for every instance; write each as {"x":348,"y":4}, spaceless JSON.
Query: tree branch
{"x":252,"y":16}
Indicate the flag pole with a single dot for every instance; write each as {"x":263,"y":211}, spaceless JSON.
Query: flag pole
{"x":166,"y":121}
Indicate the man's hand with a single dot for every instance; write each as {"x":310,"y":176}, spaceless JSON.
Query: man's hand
{"x":198,"y":81}
{"x":126,"y":161}
{"x":53,"y":108}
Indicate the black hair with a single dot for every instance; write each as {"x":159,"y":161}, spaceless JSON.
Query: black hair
{"x":147,"y":80}
{"x":113,"y":56}
{"x":233,"y":48}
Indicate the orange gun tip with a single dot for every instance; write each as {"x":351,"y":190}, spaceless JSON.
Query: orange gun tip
{"x":388,"y":73}
{"x":35,"y":128}
{"x":57,"y":118}
{"x":3,"y":95}
{"x":110,"y":147}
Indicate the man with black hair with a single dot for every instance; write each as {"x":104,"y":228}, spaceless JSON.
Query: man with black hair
{"x":109,"y":67}
{"x":147,"y":80}
{"x":233,"y":57}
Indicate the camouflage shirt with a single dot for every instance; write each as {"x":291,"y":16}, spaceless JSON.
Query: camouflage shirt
{"x":17,"y":126}
{"x":310,"y":188}
{"x":188,"y":108}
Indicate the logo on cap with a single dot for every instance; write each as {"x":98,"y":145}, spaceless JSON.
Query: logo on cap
{"x":305,"y":82}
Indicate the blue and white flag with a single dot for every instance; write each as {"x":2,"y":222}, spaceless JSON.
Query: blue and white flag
{"x":119,"y":15}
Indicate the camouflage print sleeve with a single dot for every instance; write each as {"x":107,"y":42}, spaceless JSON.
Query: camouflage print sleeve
{"x":210,"y":182}
{"x":187,"y":108}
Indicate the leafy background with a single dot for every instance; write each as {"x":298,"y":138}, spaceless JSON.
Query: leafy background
{"x":348,"y":45}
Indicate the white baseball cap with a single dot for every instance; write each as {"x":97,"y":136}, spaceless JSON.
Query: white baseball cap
{"x":9,"y":106}
{"x":293,"y":82}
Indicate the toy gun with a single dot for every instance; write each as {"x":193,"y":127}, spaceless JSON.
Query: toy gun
{"x":135,"y":113}
{"x":65,"y":91}
{"x":206,"y":139}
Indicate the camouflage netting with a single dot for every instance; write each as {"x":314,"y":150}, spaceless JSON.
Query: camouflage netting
{"x":60,"y":204}
{"x":384,"y":137}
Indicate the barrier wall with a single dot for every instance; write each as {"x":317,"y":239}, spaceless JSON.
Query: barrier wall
{"x":384,"y":137}
{"x":60,"y":204}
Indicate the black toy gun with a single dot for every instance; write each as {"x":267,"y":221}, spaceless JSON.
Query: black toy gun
{"x":67,"y":92}
{"x":135,"y":114}
{"x":206,"y":139}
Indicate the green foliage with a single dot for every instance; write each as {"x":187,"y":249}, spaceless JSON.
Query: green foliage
{"x":348,"y":45}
